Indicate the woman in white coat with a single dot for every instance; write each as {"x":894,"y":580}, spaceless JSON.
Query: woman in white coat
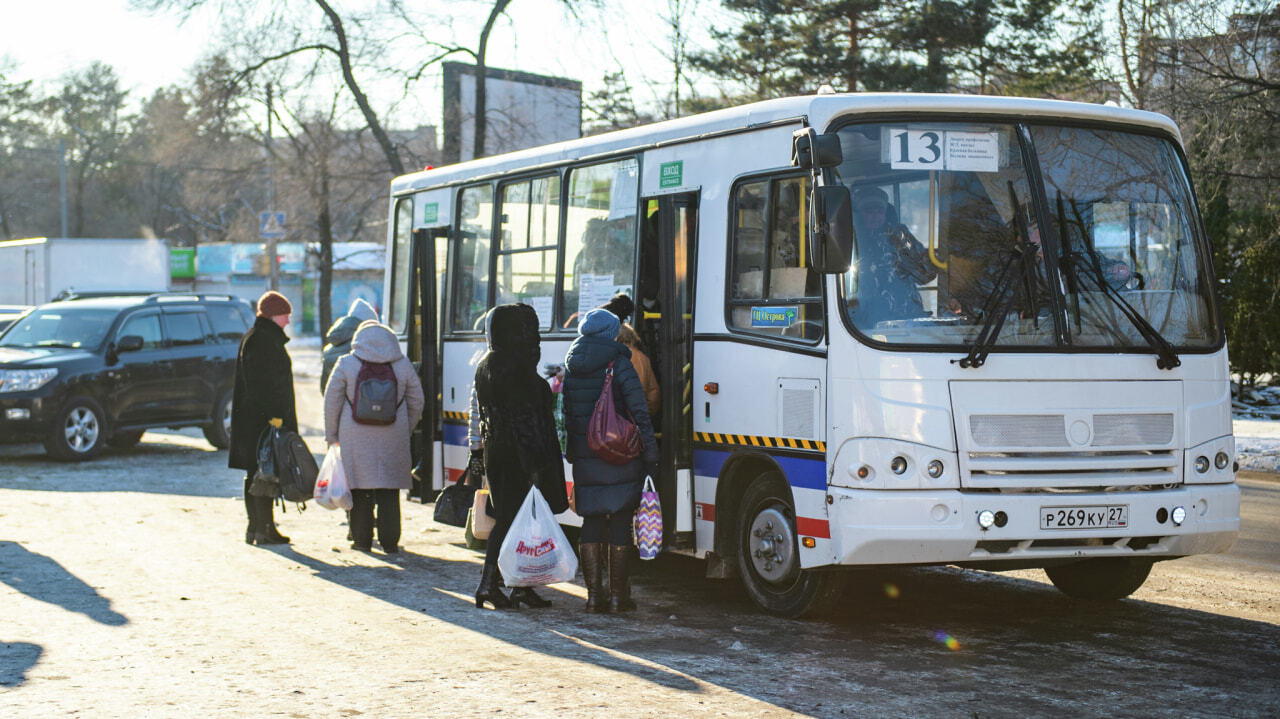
{"x":375,"y":457}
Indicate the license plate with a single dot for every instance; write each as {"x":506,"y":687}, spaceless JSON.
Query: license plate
{"x":1109,"y":516}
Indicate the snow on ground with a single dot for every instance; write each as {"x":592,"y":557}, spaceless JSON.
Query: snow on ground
{"x":1257,"y":428}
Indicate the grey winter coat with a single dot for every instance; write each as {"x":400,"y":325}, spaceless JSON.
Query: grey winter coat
{"x":337,"y":341}
{"x":598,"y":486}
{"x":373,"y":456}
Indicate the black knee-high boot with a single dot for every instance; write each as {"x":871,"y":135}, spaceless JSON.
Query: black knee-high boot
{"x":488,"y":590}
{"x":267,"y":532}
{"x":620,"y":578}
{"x":251,"y":509}
{"x":593,"y":571}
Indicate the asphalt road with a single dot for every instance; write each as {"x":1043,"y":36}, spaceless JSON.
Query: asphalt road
{"x":126,"y":590}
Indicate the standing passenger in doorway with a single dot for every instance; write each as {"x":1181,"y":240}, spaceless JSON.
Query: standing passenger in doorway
{"x":605,"y":494}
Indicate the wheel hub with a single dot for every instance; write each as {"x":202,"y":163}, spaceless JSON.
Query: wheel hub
{"x":81,"y":430}
{"x":772,"y":548}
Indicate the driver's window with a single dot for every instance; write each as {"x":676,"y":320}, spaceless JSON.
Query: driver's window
{"x":771,"y":289}
{"x":146,"y":326}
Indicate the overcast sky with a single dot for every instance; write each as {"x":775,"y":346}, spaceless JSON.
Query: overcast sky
{"x":44,"y":40}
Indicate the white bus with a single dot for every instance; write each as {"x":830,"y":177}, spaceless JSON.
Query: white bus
{"x":889,"y":329}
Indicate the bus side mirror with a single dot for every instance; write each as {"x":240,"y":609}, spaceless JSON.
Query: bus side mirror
{"x":811,"y":151}
{"x":831,"y":231}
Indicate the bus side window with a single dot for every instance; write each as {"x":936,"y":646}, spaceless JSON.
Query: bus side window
{"x":772,"y":291}
{"x":469,"y":298}
{"x":600,"y":237}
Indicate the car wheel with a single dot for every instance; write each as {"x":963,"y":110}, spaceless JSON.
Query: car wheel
{"x":126,"y":440}
{"x":769,"y":554}
{"x":1102,"y":579}
{"x":219,"y":432}
{"x":79,"y":432}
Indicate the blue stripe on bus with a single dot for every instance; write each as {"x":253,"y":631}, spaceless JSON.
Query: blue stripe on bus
{"x":455,"y":434}
{"x":802,"y":473}
{"x":707,"y":462}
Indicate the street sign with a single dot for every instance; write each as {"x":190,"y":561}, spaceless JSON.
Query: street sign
{"x":271,"y":225}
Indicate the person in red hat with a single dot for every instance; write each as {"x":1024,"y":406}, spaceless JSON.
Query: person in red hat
{"x":263,"y":395}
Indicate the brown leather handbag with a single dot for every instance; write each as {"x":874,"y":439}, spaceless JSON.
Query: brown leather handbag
{"x":613,"y":437}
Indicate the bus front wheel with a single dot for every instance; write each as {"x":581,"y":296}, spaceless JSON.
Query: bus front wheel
{"x":769,"y":554}
{"x":1104,"y":578}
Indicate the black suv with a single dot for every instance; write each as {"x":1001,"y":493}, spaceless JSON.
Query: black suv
{"x":80,"y":374}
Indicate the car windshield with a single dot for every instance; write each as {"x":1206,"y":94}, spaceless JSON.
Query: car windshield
{"x":949,"y":223}
{"x":61,"y":327}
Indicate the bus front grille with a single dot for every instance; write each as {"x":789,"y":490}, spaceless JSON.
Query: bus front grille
{"x":1067,"y":470}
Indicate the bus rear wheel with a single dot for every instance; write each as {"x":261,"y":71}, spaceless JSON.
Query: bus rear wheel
{"x":1101,"y":579}
{"x":769,"y":554}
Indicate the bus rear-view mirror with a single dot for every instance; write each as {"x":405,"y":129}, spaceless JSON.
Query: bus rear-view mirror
{"x":811,"y":151}
{"x":831,"y":229}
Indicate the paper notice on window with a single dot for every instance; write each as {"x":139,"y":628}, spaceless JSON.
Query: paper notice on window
{"x":541,"y":305}
{"x":973,"y":152}
{"x":593,"y":291}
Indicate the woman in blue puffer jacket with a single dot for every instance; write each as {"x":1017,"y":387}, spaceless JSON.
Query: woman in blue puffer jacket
{"x":606,"y":495}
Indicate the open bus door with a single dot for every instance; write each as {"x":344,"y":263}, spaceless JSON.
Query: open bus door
{"x":429,"y":248}
{"x":664,"y":316}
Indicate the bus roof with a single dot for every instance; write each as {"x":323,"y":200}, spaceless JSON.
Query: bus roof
{"x":816,"y":110}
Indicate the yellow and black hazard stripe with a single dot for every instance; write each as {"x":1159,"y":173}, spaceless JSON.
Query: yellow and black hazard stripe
{"x":455,"y":416}
{"x":751,"y":440}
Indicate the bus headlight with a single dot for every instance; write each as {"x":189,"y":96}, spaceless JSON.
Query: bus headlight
{"x":935,"y":468}
{"x":1178,"y":515}
{"x":1202,"y":464}
{"x":898,"y":464}
{"x":1220,"y":460}
{"x":986,"y":518}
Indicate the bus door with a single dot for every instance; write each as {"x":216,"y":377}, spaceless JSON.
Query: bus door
{"x":665,"y":311}
{"x":429,"y":253}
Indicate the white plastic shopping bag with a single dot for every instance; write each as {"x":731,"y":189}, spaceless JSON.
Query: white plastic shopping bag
{"x":535,"y":551}
{"x":331,"y":484}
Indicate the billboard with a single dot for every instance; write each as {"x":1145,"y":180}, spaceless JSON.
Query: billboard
{"x":523,"y":110}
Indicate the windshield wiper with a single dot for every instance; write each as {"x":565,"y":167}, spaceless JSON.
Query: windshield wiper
{"x":54,"y":343}
{"x":1166,"y":356}
{"x":998,"y":304}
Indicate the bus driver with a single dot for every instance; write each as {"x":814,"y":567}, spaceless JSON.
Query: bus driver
{"x":891,"y":262}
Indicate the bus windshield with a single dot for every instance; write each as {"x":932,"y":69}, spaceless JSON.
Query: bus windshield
{"x":952,"y":227}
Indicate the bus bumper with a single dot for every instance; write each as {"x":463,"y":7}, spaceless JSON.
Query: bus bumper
{"x":932,"y":527}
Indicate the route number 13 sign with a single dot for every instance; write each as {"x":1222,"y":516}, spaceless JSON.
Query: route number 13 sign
{"x":943,"y":150}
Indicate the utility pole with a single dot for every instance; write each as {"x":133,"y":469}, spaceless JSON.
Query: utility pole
{"x":62,"y":181}
{"x":273,"y":281}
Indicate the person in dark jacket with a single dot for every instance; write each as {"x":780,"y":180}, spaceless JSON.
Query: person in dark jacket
{"x":337,"y":341}
{"x":518,"y":432}
{"x":263,"y":395}
{"x":605,"y":494}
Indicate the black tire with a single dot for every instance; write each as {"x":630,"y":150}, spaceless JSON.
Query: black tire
{"x":1102,"y":579}
{"x":218,"y":433}
{"x":126,"y":440}
{"x":776,"y":583}
{"x":79,"y":431}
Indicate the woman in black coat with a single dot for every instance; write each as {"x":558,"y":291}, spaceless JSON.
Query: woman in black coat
{"x":517,"y":424}
{"x":605,"y":494}
{"x":263,"y":392}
